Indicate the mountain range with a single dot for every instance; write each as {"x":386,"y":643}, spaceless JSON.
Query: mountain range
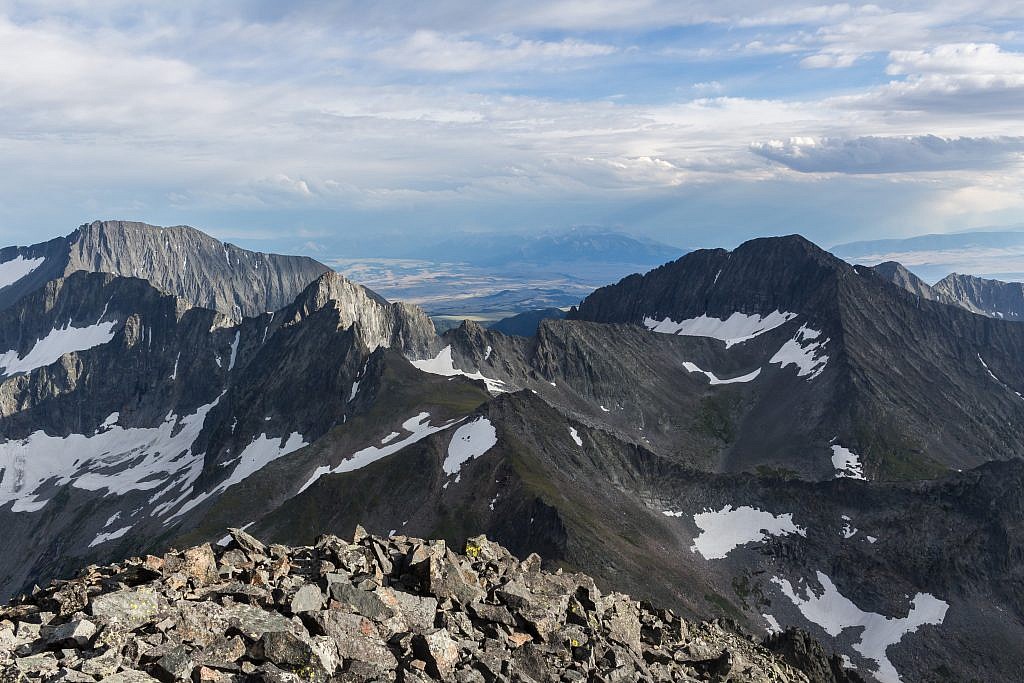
{"x":766,"y":435}
{"x":992,"y":253}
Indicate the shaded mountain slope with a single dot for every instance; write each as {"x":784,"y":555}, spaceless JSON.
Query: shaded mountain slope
{"x":624,"y":514}
{"x":124,"y":411}
{"x":912,"y":385}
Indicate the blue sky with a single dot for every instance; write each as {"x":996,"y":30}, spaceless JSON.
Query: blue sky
{"x":354,"y":128}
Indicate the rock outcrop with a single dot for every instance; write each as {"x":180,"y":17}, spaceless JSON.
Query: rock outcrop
{"x":382,"y":609}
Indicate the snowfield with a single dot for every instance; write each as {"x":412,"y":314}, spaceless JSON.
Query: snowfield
{"x":58,"y":342}
{"x":115,"y":459}
{"x":727,"y":529}
{"x":419,"y":428}
{"x":802,"y":352}
{"x":713,"y":379}
{"x":835,"y":613}
{"x":17,"y":268}
{"x":110,"y":536}
{"x":443,"y":364}
{"x":847,"y":463}
{"x":736,"y":329}
{"x":262,"y":451}
{"x":469,"y":441}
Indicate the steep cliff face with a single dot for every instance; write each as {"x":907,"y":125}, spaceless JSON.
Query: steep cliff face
{"x":177,"y":260}
{"x":993,"y":298}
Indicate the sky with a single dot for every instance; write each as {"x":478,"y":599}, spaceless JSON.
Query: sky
{"x":358,"y":128}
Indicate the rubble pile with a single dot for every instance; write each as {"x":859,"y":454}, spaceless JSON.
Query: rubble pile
{"x":374,"y":609}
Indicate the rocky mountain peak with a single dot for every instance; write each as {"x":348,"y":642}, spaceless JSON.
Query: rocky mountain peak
{"x":759,"y":277}
{"x":179,"y":260}
{"x":379,"y":322}
{"x":898,"y":275}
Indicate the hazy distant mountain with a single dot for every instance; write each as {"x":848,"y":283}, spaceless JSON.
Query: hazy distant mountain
{"x":997,"y":254}
{"x":178,"y":260}
{"x":558,"y":249}
{"x":525,"y":324}
{"x":487,"y":277}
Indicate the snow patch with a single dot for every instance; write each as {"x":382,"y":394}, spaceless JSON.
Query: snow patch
{"x":713,"y":379}
{"x":575,"y":436}
{"x":419,"y":428}
{"x":999,"y":381}
{"x":234,"y":350}
{"x":226,"y":538}
{"x":736,"y":329}
{"x":110,"y":536}
{"x":847,"y":463}
{"x":803,"y":353}
{"x":773,"y":624}
{"x":17,"y":268}
{"x":443,"y":364}
{"x":355,"y":390}
{"x":835,"y":613}
{"x":58,"y":342}
{"x":727,"y":529}
{"x":469,"y":441}
{"x":390,"y":437}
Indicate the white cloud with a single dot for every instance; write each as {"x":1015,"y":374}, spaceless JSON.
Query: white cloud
{"x":906,"y":154}
{"x":959,"y":58}
{"x":434,"y":51}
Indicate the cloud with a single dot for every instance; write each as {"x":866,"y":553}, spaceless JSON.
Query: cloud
{"x":985,"y":59}
{"x":434,"y":51}
{"x":341,"y":115}
{"x":960,"y":78}
{"x":907,"y":154}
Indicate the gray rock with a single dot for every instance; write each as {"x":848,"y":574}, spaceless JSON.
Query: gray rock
{"x":418,"y":611}
{"x":247,"y":541}
{"x":129,"y":608}
{"x":307,"y":599}
{"x":75,"y":633}
{"x":284,"y":648}
{"x":356,"y":599}
{"x":129,"y":676}
{"x":176,"y":665}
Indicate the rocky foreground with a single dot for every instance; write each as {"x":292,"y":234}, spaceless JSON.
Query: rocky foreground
{"x":394,"y":609}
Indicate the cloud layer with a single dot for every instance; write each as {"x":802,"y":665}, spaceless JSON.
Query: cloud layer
{"x":351,"y":124}
{"x":909,"y":154}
